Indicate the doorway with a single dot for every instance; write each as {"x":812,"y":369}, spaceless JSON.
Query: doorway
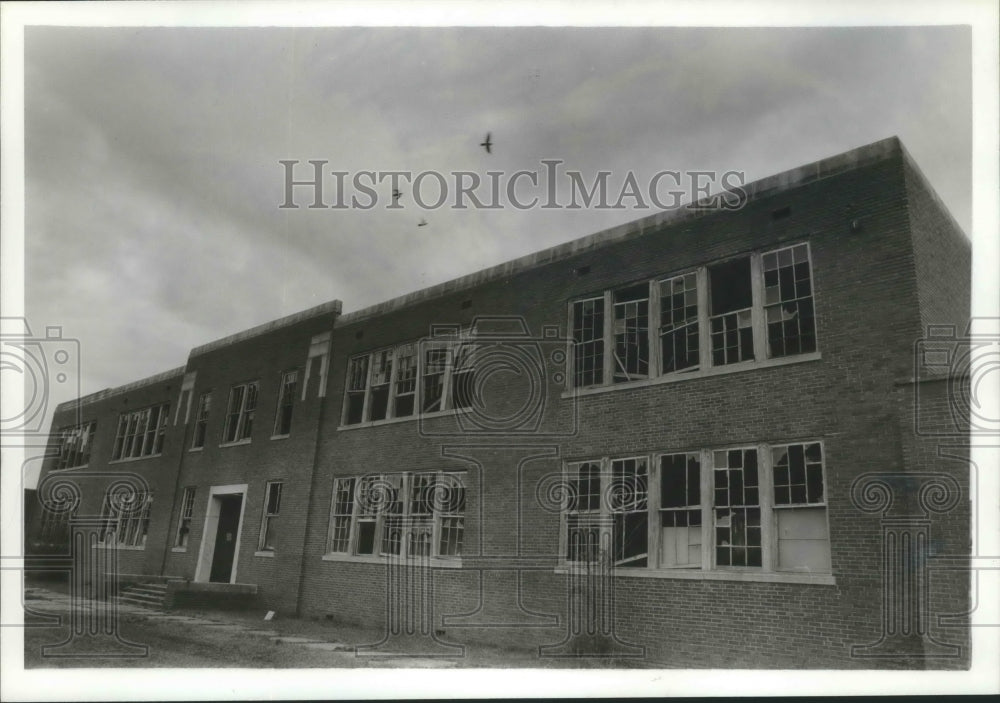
{"x":220,"y":544}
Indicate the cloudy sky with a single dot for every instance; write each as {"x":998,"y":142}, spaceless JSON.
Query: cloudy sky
{"x":153,"y":182}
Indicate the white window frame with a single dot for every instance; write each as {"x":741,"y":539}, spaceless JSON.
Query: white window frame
{"x":74,"y":446}
{"x":268,"y":515}
{"x":707,"y":566}
{"x":405,"y":482}
{"x":244,"y":415}
{"x":141,"y":433}
{"x":763,"y":353}
{"x":452,"y":348}
{"x":286,"y":400}
{"x":185,"y":519}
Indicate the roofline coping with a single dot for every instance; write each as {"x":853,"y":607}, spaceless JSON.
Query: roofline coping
{"x":769,"y":185}
{"x":333,"y":306}
{"x":118,"y":390}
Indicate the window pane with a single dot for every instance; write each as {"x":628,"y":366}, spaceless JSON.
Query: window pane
{"x":791,"y":325}
{"x":588,"y":342}
{"x":631,"y":333}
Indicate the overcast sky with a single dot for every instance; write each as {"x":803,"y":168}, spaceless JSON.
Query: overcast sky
{"x":153,"y":182}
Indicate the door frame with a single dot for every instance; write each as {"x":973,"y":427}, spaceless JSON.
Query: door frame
{"x":210,"y":530}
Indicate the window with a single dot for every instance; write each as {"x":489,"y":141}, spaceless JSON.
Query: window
{"x":269,"y":523}
{"x":401,"y":381}
{"x":399,"y":514}
{"x":239,"y":416}
{"x":201,"y":421}
{"x":286,"y":401}
{"x":710,"y":510}
{"x":788,"y":306}
{"x":184,"y":521}
{"x":588,"y":342}
{"x":141,"y":432}
{"x":74,"y":445}
{"x":679,"y":344}
{"x":126,"y":521}
{"x":54,"y":527}
{"x":743,"y":310}
{"x":631,"y":333}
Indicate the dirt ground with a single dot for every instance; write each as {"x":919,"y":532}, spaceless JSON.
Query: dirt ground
{"x":189,"y":638}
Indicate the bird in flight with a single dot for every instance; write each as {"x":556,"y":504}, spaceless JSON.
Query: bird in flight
{"x":422,"y":223}
{"x":487,"y":144}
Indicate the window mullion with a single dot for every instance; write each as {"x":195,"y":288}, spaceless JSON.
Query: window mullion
{"x":608,"y":357}
{"x":769,"y":536}
{"x":570,"y":352}
{"x":450,"y":355}
{"x":704,"y":324}
{"x":757,"y":311}
{"x":352,"y":538}
{"x":393,"y":373}
{"x":653,"y":326}
{"x":606,"y":531}
{"x":369,"y":372}
{"x":707,"y":507}
{"x":653,"y":509}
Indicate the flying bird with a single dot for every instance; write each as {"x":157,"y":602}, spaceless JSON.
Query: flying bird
{"x":487,"y":144}
{"x":422,"y":223}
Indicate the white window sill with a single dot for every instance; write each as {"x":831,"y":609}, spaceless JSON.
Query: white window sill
{"x":722,"y":575}
{"x":408,"y":418}
{"x":135,"y":458}
{"x":434,"y":562}
{"x":178,"y":549}
{"x":236,"y":443}
{"x":264,"y":553}
{"x":706,"y":373}
{"x":281,"y":436}
{"x":126,"y":547}
{"x":196,"y":449}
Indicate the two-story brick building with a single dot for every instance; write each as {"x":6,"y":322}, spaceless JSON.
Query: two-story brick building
{"x":668,"y":440}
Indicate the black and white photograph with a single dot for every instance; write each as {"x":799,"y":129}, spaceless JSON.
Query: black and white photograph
{"x":518,"y":349}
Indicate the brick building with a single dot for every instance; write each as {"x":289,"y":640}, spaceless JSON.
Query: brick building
{"x":690,"y":439}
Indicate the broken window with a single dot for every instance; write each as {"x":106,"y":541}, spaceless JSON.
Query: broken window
{"x":125,"y":518}
{"x":588,"y":342}
{"x":435,"y":363}
{"x":463,"y":376}
{"x":737,"y":508}
{"x":184,"y":521}
{"x":357,"y":384}
{"x":679,"y":348}
{"x":74,"y":446}
{"x":730,"y":303}
{"x":392,"y":529}
{"x":628,"y":507}
{"x":680,"y":510}
{"x":201,"y":421}
{"x":451,"y":506}
{"x":286,"y":403}
{"x":800,"y":507}
{"x":368,"y":500}
{"x":406,"y":381}
{"x":242,"y":406}
{"x":788,"y":304}
{"x":631,"y":333}
{"x":141,"y":432}
{"x":583,"y":512}
{"x":381,"y":375}
{"x":269,"y":524}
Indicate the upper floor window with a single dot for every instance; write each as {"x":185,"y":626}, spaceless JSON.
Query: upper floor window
{"x":745,"y":309}
{"x":759,"y":508}
{"x":402,"y":381}
{"x":240,"y":413}
{"x":286,"y":402}
{"x":141,"y":432}
{"x":201,"y":420}
{"x":74,"y":445}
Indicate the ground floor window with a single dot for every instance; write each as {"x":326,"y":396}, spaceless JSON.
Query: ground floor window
{"x":419,"y":514}
{"x":269,"y":523}
{"x":184,"y":522}
{"x":760,"y":507}
{"x":126,"y":518}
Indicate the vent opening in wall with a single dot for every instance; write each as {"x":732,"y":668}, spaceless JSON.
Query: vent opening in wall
{"x":781,"y":213}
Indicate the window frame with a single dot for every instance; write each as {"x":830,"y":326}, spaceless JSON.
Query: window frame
{"x":267,"y":516}
{"x":141,"y":433}
{"x":200,"y":429}
{"x":185,"y":519}
{"x":763,"y":353}
{"x":75,"y":442}
{"x":381,"y":518}
{"x":134,"y":524}
{"x":287,"y":390}
{"x":707,"y":567}
{"x":449,"y":348}
{"x":244,"y":416}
